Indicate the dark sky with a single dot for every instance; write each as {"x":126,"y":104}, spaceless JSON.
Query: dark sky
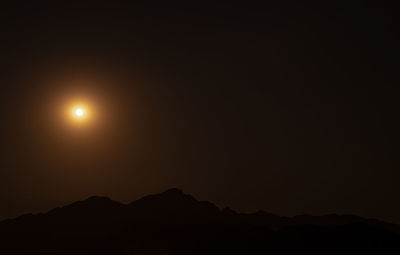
{"x":288,"y":107}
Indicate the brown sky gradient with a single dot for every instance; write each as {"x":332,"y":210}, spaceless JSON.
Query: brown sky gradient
{"x":287,"y":107}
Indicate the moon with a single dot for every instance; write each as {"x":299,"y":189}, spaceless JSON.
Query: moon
{"x":79,"y":112}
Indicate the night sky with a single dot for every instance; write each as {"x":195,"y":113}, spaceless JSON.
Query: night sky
{"x":290,"y":108}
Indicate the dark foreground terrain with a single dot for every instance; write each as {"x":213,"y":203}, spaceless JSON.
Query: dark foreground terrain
{"x":175,"y":223}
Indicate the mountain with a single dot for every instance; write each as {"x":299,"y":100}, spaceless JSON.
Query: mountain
{"x":173,"y":222}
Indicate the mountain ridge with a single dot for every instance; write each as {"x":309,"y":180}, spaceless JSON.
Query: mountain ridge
{"x":178,"y":223}
{"x":178,"y":197}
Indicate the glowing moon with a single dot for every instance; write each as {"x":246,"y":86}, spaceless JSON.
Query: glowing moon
{"x":79,"y":112}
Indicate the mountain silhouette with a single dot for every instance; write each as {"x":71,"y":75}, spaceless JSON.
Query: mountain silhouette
{"x":173,"y":222}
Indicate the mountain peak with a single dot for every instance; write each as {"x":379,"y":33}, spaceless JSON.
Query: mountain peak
{"x":97,"y":198}
{"x":175,"y":194}
{"x":173,"y":191}
{"x":174,"y":206}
